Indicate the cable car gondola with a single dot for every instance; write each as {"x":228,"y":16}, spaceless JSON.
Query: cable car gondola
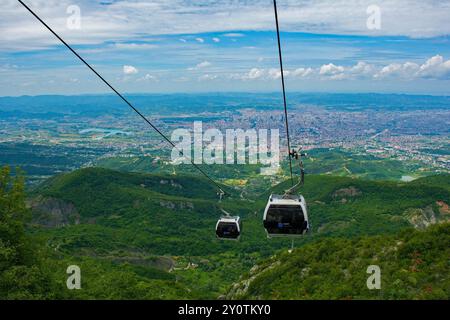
{"x":229,"y":228}
{"x":286,"y":216}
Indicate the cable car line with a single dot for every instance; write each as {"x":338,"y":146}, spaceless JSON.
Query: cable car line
{"x":221,"y":191}
{"x":287,"y":215}
{"x":297,"y":155}
{"x":284,"y":90}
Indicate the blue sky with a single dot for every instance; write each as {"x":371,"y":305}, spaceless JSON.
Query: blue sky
{"x":203,"y":46}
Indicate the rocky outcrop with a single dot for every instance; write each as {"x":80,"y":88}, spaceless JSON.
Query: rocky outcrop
{"x":162,"y":262}
{"x":171,"y":183}
{"x":240,"y":288}
{"x":346,"y":192}
{"x":53,"y":213}
{"x":176,"y":205}
{"x":443,"y":208}
{"x":420,"y":218}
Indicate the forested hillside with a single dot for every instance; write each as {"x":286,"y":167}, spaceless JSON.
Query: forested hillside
{"x":414,"y":265}
{"x":152,"y":236}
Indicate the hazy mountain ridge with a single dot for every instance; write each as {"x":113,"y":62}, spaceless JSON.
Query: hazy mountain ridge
{"x":60,"y":105}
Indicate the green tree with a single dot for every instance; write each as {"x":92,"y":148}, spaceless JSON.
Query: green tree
{"x":22,"y":275}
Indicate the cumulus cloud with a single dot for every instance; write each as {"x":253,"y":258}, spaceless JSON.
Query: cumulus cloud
{"x":362,"y":69}
{"x":398,"y":70}
{"x":207,"y":77}
{"x":216,"y":40}
{"x":148,"y":77}
{"x":330,"y":70}
{"x":269,"y":74}
{"x":234,"y":35}
{"x":201,"y":65}
{"x":275,"y":73}
{"x":302,"y":72}
{"x":135,"y":46}
{"x":434,"y":68}
{"x":129,"y":70}
{"x":254,"y":73}
{"x":335,"y":72}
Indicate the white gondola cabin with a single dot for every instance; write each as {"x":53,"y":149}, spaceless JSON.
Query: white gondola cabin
{"x":286,"y":216}
{"x":229,"y":228}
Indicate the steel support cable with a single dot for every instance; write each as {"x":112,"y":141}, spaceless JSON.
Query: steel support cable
{"x":284,"y":90}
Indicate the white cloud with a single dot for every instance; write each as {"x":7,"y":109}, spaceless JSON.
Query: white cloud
{"x":201,"y":65}
{"x":200,"y":40}
{"x":216,"y":40}
{"x":135,"y":46}
{"x":148,"y":77}
{"x":206,"y":77}
{"x":436,"y":68}
{"x":204,"y":64}
{"x":275,"y":73}
{"x":129,"y":70}
{"x":398,"y":70}
{"x":302,"y":72}
{"x":8,"y":67}
{"x":262,"y":74}
{"x":233,"y":35}
{"x":330,"y":70}
{"x":181,"y":79}
{"x":362,"y":69}
{"x":254,"y":73}
{"x":131,"y":19}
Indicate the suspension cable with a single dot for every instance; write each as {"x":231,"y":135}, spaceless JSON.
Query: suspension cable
{"x":221,"y":191}
{"x":284,"y":90}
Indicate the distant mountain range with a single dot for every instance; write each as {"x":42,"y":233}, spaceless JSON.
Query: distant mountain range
{"x":174,"y":104}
